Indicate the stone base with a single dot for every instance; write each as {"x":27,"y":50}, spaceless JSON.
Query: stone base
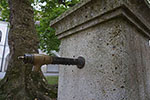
{"x":113,"y":36}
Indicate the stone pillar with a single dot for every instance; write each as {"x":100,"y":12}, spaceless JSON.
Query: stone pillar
{"x":113,"y":36}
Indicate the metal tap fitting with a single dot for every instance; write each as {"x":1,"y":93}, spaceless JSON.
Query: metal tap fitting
{"x":40,"y":59}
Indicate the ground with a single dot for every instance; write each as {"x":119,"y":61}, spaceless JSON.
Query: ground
{"x":53,"y":82}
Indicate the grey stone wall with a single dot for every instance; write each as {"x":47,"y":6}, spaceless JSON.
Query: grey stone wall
{"x":113,"y":36}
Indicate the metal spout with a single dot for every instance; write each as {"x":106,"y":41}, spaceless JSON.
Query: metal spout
{"x":41,"y":59}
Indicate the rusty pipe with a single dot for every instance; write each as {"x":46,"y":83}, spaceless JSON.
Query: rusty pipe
{"x":41,"y":59}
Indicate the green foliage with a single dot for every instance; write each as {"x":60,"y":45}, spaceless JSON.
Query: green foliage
{"x":52,"y":80}
{"x":48,"y":40}
{"x":44,"y":11}
{"x":48,"y":12}
{"x":4,"y":10}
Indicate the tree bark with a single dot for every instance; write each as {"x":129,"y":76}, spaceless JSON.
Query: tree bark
{"x":20,"y":82}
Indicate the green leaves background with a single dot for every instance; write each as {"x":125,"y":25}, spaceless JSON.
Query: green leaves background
{"x":44,"y":12}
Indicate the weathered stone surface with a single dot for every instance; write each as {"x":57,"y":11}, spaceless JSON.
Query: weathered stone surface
{"x":113,"y":37}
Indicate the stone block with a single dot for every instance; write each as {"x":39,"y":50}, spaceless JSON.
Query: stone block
{"x":113,"y":36}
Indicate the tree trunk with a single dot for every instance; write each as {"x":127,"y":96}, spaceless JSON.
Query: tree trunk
{"x":20,"y":82}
